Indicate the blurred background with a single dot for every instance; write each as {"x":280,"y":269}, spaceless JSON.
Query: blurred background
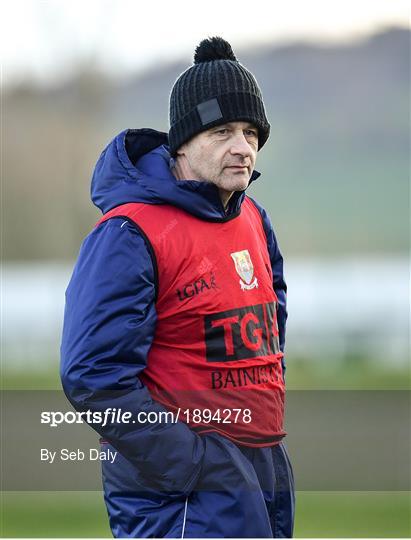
{"x":335,"y":181}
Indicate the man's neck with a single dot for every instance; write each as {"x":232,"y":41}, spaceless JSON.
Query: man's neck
{"x":180,"y":173}
{"x":225,"y":196}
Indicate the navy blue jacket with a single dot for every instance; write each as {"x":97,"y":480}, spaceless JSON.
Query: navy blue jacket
{"x":109,"y":323}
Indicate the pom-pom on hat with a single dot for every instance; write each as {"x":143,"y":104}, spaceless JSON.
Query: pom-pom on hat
{"x":217,"y":89}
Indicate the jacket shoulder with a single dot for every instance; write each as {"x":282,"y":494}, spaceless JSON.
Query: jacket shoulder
{"x":263,"y":215}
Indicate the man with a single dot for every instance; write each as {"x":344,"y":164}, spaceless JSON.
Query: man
{"x":177,"y":304}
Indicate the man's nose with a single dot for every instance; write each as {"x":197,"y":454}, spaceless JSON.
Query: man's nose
{"x":240,"y":145}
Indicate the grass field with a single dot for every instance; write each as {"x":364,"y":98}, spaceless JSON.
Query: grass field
{"x":319,"y":514}
{"x":302,"y":374}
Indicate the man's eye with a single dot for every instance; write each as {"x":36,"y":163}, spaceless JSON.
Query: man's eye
{"x":251,"y":133}
{"x":222,"y":131}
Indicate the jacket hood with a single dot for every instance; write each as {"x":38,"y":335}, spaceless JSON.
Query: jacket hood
{"x":135,"y":167}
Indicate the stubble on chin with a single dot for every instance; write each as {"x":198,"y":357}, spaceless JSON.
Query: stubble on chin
{"x":236,"y":181}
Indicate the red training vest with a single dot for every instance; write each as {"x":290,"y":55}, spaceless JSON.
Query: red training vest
{"x":215,"y":357}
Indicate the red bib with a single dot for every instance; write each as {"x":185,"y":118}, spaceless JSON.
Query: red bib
{"x":215,"y":357}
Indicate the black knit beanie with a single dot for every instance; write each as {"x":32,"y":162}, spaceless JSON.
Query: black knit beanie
{"x":217,"y":89}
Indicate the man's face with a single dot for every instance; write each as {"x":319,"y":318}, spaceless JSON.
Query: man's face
{"x":224,"y":155}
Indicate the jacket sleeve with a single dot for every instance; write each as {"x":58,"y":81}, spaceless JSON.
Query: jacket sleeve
{"x":279,"y":284}
{"x":109,"y":324}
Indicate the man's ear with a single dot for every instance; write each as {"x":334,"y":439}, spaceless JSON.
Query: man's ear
{"x":182,"y":150}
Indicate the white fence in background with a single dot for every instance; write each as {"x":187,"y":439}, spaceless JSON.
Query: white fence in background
{"x":336,"y":307}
